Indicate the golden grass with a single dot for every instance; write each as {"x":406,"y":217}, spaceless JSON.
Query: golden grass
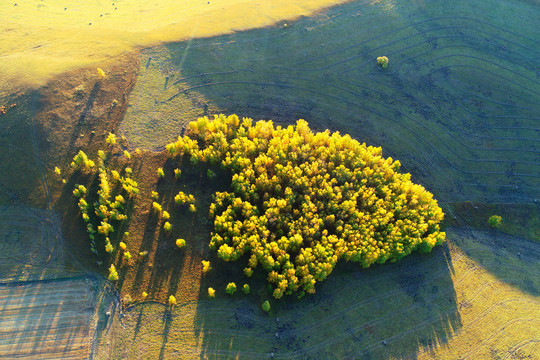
{"x":40,"y":39}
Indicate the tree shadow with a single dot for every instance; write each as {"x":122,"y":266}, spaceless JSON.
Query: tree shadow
{"x":47,"y":318}
{"x":512,"y":259}
{"x":383,"y":312}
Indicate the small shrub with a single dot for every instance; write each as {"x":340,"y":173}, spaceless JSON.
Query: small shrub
{"x":144,"y":294}
{"x":266,"y":306}
{"x":113,"y":274}
{"x":155,"y":195}
{"x":382,"y":61}
{"x":57,"y":170}
{"x":495,"y":221}
{"x":211,"y":293}
{"x":167,"y":226}
{"x":160,"y":173}
{"x":156,"y":207}
{"x":231,"y":288}
{"x":206,"y":266}
{"x":245,"y":289}
{"x":127,"y":255}
{"x":101,"y":73}
{"x":248,"y":272}
{"x":180,"y":243}
{"x":172,"y":300}
{"x":192,"y":208}
{"x":111,"y":139}
{"x":122,"y":245}
{"x":127,"y":154}
{"x":166,"y":215}
{"x":177,"y":173}
{"x":211,"y":174}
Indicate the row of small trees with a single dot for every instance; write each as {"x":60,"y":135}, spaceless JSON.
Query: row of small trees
{"x":301,"y":201}
{"x":100,"y":210}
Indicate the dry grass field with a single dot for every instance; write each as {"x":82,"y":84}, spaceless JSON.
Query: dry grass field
{"x":45,"y":38}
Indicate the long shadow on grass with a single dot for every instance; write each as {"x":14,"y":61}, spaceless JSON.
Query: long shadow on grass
{"x":512,"y":259}
{"x":386,"y":311}
{"x":46,"y":317}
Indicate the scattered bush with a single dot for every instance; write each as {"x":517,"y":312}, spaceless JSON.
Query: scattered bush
{"x":155,"y":195}
{"x":206,"y":266}
{"x":495,"y":221}
{"x":231,"y":288}
{"x":245,"y":289}
{"x":382,"y":61}
{"x":180,"y":243}
{"x":182,"y":199}
{"x":266,"y":306}
{"x":167,"y":226}
{"x":211,"y":293}
{"x":144,"y":294}
{"x":81,"y":160}
{"x":122,"y":245}
{"x":127,"y":154}
{"x":172,"y":300}
{"x":165,"y":215}
{"x":101,"y":73}
{"x":160,"y":173}
{"x":79,"y":191}
{"x":156,"y":207}
{"x":57,"y":171}
{"x":111,"y":139}
{"x":177,"y":173}
{"x":301,"y":201}
{"x":113,"y":274}
{"x":248,"y":272}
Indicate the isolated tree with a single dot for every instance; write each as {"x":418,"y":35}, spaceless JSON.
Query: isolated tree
{"x":206,"y":266}
{"x":231,"y":288}
{"x":495,"y":221}
{"x":180,"y":243}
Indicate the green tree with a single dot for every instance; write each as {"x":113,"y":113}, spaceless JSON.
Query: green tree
{"x":495,"y":221}
{"x":231,"y":288}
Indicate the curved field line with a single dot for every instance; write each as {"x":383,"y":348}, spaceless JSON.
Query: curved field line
{"x":492,"y":336}
{"x":520,"y":345}
{"x":371,"y":110}
{"x":414,"y":25}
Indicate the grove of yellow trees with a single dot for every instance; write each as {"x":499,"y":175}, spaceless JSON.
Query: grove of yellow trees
{"x":301,"y":201}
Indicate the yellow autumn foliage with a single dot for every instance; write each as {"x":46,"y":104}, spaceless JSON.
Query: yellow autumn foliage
{"x":302,"y":201}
